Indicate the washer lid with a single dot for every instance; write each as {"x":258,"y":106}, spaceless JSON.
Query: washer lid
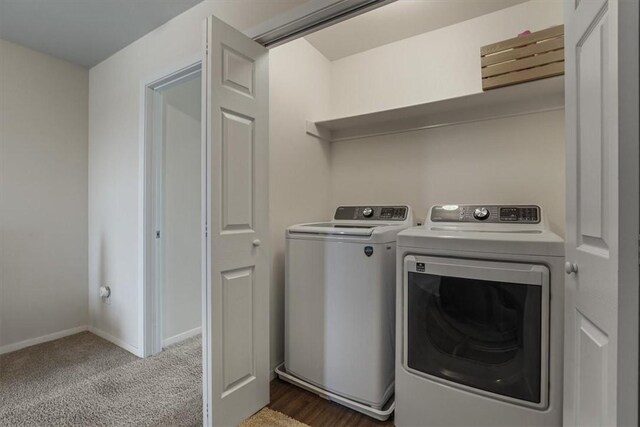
{"x":370,"y":224}
{"x":334,"y":229}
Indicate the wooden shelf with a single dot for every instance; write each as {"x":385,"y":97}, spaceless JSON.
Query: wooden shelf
{"x":526,"y":98}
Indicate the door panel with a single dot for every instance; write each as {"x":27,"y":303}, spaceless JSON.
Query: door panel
{"x":601,"y":299}
{"x":237,"y":318}
{"x":238,"y":71}
{"x":593,"y":164}
{"x":237,"y":271}
{"x":237,"y":172}
{"x":592,"y":373}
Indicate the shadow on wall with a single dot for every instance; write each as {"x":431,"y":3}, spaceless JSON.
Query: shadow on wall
{"x":100,"y":316}
{"x":277,"y":299}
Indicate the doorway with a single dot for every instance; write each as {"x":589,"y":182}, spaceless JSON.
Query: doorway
{"x":173,"y":238}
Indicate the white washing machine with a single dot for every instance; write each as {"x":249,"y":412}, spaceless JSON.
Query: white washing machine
{"x":480,"y":293}
{"x":340,"y":306}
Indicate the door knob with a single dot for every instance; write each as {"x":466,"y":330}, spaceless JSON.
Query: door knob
{"x":570,"y":268}
{"x":256,"y":243}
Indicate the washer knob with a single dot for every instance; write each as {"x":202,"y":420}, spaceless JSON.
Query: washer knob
{"x":367,"y":212}
{"x":481,"y":214}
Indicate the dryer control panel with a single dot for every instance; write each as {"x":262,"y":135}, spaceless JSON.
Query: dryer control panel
{"x":518,"y":214}
{"x":371,"y":213}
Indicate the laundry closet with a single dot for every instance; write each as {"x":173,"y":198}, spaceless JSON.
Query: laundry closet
{"x":406,"y":121}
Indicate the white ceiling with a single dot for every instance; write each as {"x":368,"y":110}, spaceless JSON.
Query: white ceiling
{"x":84,"y":32}
{"x":397,"y":21}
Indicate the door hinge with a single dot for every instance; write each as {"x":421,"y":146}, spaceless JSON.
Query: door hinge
{"x":157,"y":234}
{"x":206,"y":230}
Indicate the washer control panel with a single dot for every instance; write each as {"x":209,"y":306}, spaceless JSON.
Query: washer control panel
{"x":519,"y":214}
{"x":371,"y":213}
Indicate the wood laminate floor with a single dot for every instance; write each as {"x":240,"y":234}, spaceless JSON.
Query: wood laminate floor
{"x":315,"y":411}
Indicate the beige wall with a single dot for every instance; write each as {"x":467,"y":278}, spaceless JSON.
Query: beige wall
{"x":440,"y":64}
{"x":181,"y":239}
{"x":299,"y":164}
{"x":511,"y":160}
{"x":43,"y":195}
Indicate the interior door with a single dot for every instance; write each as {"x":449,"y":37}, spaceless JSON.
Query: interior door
{"x":601,"y":311}
{"x":235,"y":76}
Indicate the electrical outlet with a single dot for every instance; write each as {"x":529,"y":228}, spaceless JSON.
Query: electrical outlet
{"x":105,"y":294}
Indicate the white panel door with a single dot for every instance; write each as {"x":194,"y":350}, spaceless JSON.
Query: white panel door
{"x":237,"y":260}
{"x":601,"y":308}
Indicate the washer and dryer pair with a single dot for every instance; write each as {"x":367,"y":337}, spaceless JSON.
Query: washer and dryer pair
{"x":479,"y":336}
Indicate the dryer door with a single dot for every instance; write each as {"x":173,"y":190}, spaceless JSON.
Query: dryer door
{"x":478,"y":325}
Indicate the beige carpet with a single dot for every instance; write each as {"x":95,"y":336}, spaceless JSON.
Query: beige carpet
{"x":270,"y":418}
{"x":84,"y":380}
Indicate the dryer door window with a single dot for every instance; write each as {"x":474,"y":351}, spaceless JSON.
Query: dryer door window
{"x":487,"y":335}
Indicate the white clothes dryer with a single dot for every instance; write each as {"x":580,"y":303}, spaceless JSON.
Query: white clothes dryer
{"x":340,"y":306}
{"x":479,"y":319}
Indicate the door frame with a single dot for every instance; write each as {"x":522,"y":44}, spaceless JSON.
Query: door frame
{"x":150,"y":320}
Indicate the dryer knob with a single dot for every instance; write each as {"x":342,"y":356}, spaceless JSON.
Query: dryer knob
{"x":367,"y":212}
{"x":481,"y":214}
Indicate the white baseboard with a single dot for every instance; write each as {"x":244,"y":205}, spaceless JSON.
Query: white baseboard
{"x":181,"y":337}
{"x":9,"y":348}
{"x":116,"y":341}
